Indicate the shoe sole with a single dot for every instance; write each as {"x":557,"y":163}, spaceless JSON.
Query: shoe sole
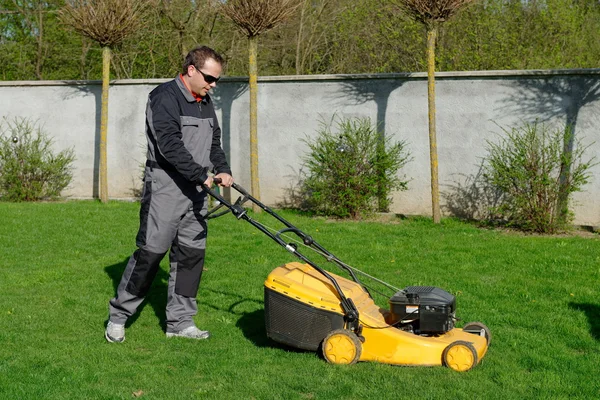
{"x":111,"y":339}
{"x":171,"y":335}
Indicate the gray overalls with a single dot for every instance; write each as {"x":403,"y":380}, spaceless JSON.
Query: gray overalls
{"x":184,"y":143}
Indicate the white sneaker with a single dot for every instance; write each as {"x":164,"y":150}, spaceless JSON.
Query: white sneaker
{"x":191,"y":332}
{"x":115,"y":333}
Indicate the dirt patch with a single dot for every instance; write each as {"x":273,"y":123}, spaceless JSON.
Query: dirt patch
{"x":577,"y":231}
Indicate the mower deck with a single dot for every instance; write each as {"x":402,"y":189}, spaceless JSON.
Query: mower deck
{"x":302,"y":309}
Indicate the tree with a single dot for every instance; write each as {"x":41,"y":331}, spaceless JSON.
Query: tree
{"x":311,"y":37}
{"x":188,"y":18}
{"x":33,"y":18}
{"x":432,"y":13}
{"x":386,"y":44}
{"x":33,"y":45}
{"x":490,"y":35}
{"x":254,"y":17}
{"x":107,"y":22}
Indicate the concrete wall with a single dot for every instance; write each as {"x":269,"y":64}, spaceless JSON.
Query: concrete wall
{"x":471,"y":109}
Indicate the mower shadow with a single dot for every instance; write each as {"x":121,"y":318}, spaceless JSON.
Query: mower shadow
{"x":157,"y":296}
{"x":592,"y":312}
{"x":252,"y":325}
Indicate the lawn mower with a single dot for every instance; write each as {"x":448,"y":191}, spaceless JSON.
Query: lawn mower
{"x":310,"y":308}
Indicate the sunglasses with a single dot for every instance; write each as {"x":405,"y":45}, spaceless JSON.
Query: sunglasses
{"x":208,"y":78}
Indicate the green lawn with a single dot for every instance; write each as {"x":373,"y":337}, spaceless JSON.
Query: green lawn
{"x":61,"y":263}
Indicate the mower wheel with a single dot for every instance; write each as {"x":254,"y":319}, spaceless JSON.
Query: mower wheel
{"x":341,"y":346}
{"x":460,"y":356}
{"x":477,"y":328}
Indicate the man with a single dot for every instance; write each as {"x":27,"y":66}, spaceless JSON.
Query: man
{"x":184,"y":143}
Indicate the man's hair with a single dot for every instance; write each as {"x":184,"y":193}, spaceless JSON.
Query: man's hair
{"x":198,"y":56}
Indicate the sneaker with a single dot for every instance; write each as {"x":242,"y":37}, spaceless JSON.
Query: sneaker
{"x":115,"y":333}
{"x":191,"y":332}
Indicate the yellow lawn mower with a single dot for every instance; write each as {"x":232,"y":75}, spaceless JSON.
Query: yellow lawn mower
{"x":309,"y":308}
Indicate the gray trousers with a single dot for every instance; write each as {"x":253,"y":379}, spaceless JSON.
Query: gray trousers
{"x":171,"y":219}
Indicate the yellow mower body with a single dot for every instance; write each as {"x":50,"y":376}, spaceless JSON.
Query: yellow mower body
{"x":302,"y":309}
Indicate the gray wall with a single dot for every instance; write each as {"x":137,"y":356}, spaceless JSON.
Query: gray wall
{"x":471,"y":109}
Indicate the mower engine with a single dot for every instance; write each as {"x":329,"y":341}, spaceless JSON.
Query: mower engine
{"x":423,"y":310}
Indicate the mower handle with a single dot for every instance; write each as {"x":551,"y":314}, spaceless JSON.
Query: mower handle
{"x":237,"y":209}
{"x":233,"y":185}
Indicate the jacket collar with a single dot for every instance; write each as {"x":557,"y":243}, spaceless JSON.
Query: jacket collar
{"x":190,"y":96}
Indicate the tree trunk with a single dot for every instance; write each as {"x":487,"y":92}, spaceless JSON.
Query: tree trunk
{"x":253,"y":72}
{"x":104,"y":125}
{"x":435,"y":189}
{"x":40,"y":43}
{"x":299,"y":41}
{"x":562,"y":206}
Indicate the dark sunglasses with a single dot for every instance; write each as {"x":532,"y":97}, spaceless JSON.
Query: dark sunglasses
{"x":208,"y":78}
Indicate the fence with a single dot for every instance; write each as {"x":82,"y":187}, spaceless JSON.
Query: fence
{"x":471,"y":108}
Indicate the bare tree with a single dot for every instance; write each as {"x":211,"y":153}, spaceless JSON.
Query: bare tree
{"x":33,"y":14}
{"x":432,"y":13}
{"x":188,"y":18}
{"x":254,"y":17}
{"x":311,"y":35}
{"x":107,"y":22}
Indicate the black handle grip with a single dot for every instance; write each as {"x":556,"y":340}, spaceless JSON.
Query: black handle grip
{"x":236,"y":187}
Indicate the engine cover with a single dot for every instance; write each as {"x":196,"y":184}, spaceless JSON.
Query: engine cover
{"x":427,"y":309}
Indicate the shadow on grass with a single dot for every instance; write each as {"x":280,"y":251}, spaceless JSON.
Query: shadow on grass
{"x":592,"y":312}
{"x":157,"y":296}
{"x":251,"y":323}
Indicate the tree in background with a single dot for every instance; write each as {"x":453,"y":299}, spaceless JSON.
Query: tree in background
{"x":191,"y":21}
{"x":504,"y":35}
{"x":332,"y":37}
{"x":254,"y":17}
{"x":380,"y":43}
{"x":33,"y":44}
{"x":183,"y":16}
{"x":312,"y":34}
{"x":171,"y":28}
{"x":107,"y":22}
{"x":432,"y":13}
{"x":303,"y":45}
{"x":34,"y":17}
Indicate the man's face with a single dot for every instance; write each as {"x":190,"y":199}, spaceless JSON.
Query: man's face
{"x":203,"y":79}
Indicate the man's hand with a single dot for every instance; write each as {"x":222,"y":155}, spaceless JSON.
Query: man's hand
{"x":208,"y":182}
{"x":226,"y":179}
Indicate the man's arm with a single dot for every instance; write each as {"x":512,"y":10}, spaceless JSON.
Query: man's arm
{"x":164,"y":121}
{"x":217,"y":155}
{"x":218,"y":158}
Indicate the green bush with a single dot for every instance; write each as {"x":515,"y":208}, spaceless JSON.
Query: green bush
{"x":29,"y":170}
{"x":351,"y":173}
{"x":536,"y":169}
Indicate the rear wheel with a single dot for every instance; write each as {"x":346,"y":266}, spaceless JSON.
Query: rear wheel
{"x":477,"y":328}
{"x":460,"y":356}
{"x":341,"y":346}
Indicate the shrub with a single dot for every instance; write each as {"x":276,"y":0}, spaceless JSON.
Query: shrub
{"x":351,"y":173}
{"x":29,"y":170}
{"x":536,"y":169}
{"x":472,"y":198}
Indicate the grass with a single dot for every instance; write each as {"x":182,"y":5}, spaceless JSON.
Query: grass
{"x":61,"y":263}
